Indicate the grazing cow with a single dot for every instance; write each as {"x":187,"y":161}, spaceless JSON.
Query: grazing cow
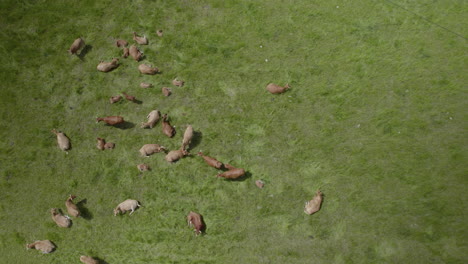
{"x":195,"y":220}
{"x":88,"y":260}
{"x":129,"y":97}
{"x":313,"y":205}
{"x":109,"y":145}
{"x":108,"y":66}
{"x":166,"y":91}
{"x":153,"y":118}
{"x":145,"y":85}
{"x":135,"y":53}
{"x":115,"y":99}
{"x":125,"y":206}
{"x":188,"y":135}
{"x":143,"y":167}
{"x":45,"y":246}
{"x":121,"y":43}
{"x":140,"y":40}
{"x":167,"y":129}
{"x":76,"y":46}
{"x":259,"y":183}
{"x":72,"y":209}
{"x":126,"y":52}
{"x":175,"y":155}
{"x":147,"y":69}
{"x":62,"y":140}
{"x":233,"y":173}
{"x":149,"y":149}
{"x":60,"y":219}
{"x":100,"y":143}
{"x":211,"y":161}
{"x":276,"y":89}
{"x":111,"y":120}
{"x":178,"y":83}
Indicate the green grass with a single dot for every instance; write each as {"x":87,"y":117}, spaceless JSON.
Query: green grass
{"x":376,"y":119}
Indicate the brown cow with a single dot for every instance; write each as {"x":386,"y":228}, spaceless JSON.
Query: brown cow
{"x":129,"y":97}
{"x":109,"y":145}
{"x":149,"y":149}
{"x":100,"y":143}
{"x":211,"y":161}
{"x":140,"y":40}
{"x":259,"y":183}
{"x":175,"y":155}
{"x":178,"y":83}
{"x":153,"y":118}
{"x":147,"y":69}
{"x":313,"y":205}
{"x":126,"y":52}
{"x":88,"y":260}
{"x":121,"y":43}
{"x":62,"y":140}
{"x":60,"y":219}
{"x":108,"y":66}
{"x":45,"y":246}
{"x":72,"y":209}
{"x":166,"y":91}
{"x":76,"y":46}
{"x":143,"y":167}
{"x":232,"y":173}
{"x":195,"y":220}
{"x":135,"y":53}
{"x":188,"y":135}
{"x":167,"y":129}
{"x":276,"y":89}
{"x":111,"y":120}
{"x":145,"y":85}
{"x":115,"y":99}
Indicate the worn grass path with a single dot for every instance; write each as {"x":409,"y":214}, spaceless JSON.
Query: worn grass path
{"x":376,"y":119}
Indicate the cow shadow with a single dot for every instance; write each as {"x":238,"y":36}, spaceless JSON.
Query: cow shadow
{"x":100,"y":260}
{"x":125,"y":125}
{"x":196,"y":140}
{"x":203,"y":229}
{"x":85,"y":213}
{"x":87,"y":48}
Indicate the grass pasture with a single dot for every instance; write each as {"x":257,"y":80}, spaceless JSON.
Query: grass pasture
{"x":376,"y":119}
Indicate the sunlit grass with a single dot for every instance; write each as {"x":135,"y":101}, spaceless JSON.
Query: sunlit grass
{"x":375,"y":119}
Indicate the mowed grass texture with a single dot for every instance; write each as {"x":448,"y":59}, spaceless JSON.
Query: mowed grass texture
{"x":375,"y":119}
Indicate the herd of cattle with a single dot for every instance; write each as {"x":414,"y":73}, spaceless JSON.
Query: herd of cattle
{"x":130,"y":205}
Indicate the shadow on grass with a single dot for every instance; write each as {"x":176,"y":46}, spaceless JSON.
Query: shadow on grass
{"x":136,"y":101}
{"x":69,"y":148}
{"x":84,"y":51}
{"x":85,"y":213}
{"x":124,"y":125}
{"x":100,"y":260}
{"x":196,"y":140}
{"x":55,"y":247}
{"x":244,"y":177}
{"x":203,"y":228}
